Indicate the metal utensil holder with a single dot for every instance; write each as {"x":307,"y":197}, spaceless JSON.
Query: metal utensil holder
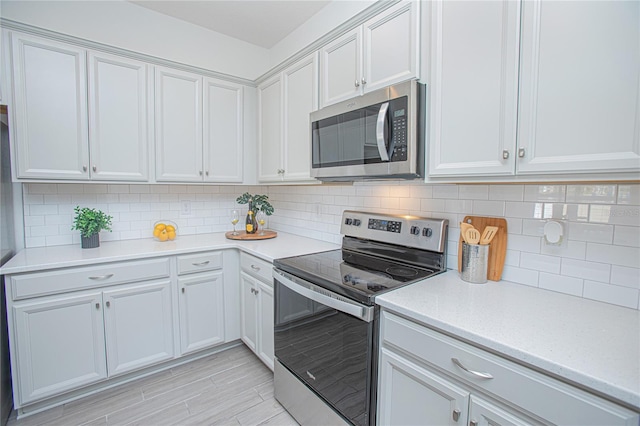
{"x":475,"y":259}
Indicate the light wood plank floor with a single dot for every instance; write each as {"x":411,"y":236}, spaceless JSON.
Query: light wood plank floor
{"x":232,"y":387}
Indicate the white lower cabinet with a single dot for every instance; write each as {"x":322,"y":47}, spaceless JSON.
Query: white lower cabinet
{"x":201,"y":301}
{"x":58,"y":345}
{"x":426,"y":377}
{"x":138,"y":326}
{"x":256,"y":307}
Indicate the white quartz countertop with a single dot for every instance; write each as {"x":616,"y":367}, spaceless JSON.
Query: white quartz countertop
{"x":592,"y":344}
{"x":42,"y":258}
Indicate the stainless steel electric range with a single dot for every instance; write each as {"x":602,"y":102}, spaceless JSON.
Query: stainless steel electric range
{"x":326,"y":320}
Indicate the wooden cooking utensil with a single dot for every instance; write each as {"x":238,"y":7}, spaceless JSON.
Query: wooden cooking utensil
{"x":463,"y":230}
{"x":488,"y":234}
{"x":497,"y":248}
{"x":472,"y":236}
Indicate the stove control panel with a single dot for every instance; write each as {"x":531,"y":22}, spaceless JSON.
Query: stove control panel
{"x":411,"y":231}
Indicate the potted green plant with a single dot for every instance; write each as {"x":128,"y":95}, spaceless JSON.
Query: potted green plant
{"x":90,"y":222}
{"x":260,"y":202}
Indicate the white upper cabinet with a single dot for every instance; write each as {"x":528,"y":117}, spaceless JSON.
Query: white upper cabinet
{"x":553,"y":93}
{"x":382,"y":51}
{"x":270,"y":130}
{"x":199,"y":128}
{"x":119,"y":95}
{"x":223,"y":131}
{"x":178,"y":123}
{"x":300,"y":98}
{"x":50,"y":137}
{"x":285,"y":102}
{"x":474,"y":87}
{"x":579,"y":87}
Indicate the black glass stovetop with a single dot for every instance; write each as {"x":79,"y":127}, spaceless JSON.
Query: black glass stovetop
{"x":354,"y":275}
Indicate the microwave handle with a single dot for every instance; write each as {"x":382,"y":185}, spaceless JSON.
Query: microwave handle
{"x":382,"y":144}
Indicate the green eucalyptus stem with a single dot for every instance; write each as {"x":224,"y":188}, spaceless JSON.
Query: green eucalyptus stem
{"x":260,"y":202}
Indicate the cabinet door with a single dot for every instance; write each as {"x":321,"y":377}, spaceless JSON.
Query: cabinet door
{"x":51,"y":134}
{"x":391,"y":46}
{"x":411,"y":395}
{"x":59,"y":345}
{"x":178,"y":124}
{"x":138,"y":326}
{"x":300,"y":98}
{"x":474,"y":78}
{"x":579,"y":87}
{"x":270,"y":131}
{"x":341,"y":68}
{"x":119,"y":118}
{"x":484,"y":413}
{"x":265,"y":326}
{"x":201,"y":311}
{"x":223,"y":136}
{"x":248,"y":311}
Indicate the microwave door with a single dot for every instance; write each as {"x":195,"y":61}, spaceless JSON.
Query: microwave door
{"x":382,"y":132}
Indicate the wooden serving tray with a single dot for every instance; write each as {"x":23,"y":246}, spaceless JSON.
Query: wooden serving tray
{"x":242,"y":235}
{"x":497,"y":248}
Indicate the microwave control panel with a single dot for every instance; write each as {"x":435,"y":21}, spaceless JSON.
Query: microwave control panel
{"x":398,"y":118}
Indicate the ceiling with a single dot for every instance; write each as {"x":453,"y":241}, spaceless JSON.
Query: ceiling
{"x":260,"y":22}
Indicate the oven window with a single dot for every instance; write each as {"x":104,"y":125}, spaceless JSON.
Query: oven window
{"x":328,"y":350}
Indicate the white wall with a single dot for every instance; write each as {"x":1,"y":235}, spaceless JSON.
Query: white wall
{"x":599,"y":259}
{"x":125,"y":25}
{"x":329,"y":17}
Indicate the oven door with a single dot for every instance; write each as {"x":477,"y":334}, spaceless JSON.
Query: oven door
{"x":327,"y":342}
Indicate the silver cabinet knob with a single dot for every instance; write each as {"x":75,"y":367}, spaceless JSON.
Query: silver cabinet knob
{"x":97,"y":306}
{"x":357,"y":83}
{"x":364,"y":81}
{"x":200,"y":172}
{"x":473,"y":423}
{"x":207,"y":173}
{"x":456,"y":415}
{"x":521,"y":152}
{"x":183,"y":290}
{"x":84,"y":168}
{"x":94,"y":168}
{"x":108,"y":304}
{"x":505,"y":154}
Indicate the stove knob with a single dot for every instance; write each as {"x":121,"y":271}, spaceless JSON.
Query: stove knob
{"x":356,"y":222}
{"x":348,"y":221}
{"x":427,"y":232}
{"x":415,"y":230}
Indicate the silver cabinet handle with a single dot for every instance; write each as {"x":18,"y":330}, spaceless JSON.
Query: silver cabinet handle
{"x":200,"y":172}
{"x":108,"y":304}
{"x":97,"y":306}
{"x":101,"y":277}
{"x":357,"y":83}
{"x":182,"y":290}
{"x":456,"y":415}
{"x":95,"y":168}
{"x":505,"y":154}
{"x":482,"y":375}
{"x":84,"y":168}
{"x":255,"y":268}
{"x":521,"y":152}
{"x":364,"y":81}
{"x":207,"y":173}
{"x":206,"y":262}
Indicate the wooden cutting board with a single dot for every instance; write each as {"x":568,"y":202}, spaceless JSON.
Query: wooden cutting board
{"x":497,"y":248}
{"x":242,"y":235}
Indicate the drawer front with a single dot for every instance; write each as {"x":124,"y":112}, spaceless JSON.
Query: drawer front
{"x":259,"y":268}
{"x":193,"y":263}
{"x":540,"y":395}
{"x":72,"y":279}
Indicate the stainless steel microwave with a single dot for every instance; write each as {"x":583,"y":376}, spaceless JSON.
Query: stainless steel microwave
{"x":375,"y":136}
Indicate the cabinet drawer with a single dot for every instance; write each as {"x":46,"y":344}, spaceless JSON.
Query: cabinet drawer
{"x":64,"y":280}
{"x":259,"y":268}
{"x":199,"y":262}
{"x":540,"y":395}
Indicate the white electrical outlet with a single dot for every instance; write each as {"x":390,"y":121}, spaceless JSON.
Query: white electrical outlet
{"x":185,"y":208}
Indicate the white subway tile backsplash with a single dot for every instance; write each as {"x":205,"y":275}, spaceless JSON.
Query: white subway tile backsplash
{"x":562,"y":284}
{"x":614,"y":294}
{"x":549,"y":193}
{"x":586,"y":270}
{"x":624,"y":276}
{"x":601,"y":244}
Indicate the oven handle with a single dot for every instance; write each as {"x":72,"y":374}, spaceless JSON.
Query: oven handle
{"x":327,"y":298}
